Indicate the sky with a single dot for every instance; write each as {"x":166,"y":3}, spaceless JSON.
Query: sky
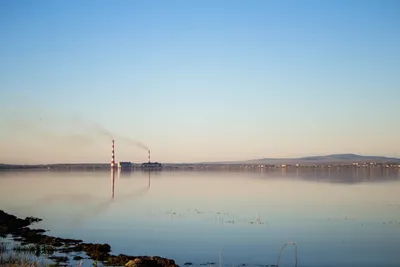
{"x":197,"y":80}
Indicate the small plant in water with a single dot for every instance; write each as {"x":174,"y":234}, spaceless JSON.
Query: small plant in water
{"x":4,"y":245}
{"x":16,"y":260}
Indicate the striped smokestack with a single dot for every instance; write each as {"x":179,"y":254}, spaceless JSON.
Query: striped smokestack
{"x":149,"y":156}
{"x":112,"y":155}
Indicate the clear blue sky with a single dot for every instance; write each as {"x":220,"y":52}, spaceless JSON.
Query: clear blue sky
{"x":199,"y":80}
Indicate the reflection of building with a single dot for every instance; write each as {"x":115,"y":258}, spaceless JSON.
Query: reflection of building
{"x":151,"y":165}
{"x":125,"y":165}
{"x":124,"y":173}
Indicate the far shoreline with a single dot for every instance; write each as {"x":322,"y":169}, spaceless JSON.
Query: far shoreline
{"x":201,"y":166}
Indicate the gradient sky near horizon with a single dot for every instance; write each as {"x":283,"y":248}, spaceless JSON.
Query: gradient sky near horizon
{"x":198,"y":80}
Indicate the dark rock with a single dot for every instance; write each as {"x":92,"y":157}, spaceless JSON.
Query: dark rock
{"x":67,"y":250}
{"x":59,"y":258}
{"x":98,"y":252}
{"x":188,"y":263}
{"x":134,"y":263}
{"x":33,"y":219}
{"x":77,"y":258}
{"x":3,"y":229}
{"x":12,"y":222}
{"x":145,"y":261}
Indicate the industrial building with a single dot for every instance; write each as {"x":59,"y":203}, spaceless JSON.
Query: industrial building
{"x":151,"y":165}
{"x":125,"y":165}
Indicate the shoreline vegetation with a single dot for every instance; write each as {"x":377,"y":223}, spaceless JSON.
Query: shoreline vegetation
{"x":60,"y":250}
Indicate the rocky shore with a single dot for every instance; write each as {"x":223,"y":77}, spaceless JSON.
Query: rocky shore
{"x":18,"y":228}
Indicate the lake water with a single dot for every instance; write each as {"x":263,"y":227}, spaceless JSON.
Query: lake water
{"x":336,"y":218}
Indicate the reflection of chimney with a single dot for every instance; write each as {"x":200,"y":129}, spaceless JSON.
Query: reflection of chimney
{"x":149,"y":156}
{"x":112,"y":183}
{"x":149,"y":180}
{"x":112,"y":155}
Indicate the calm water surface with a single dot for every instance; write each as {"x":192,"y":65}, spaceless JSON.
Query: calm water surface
{"x":349,"y":218}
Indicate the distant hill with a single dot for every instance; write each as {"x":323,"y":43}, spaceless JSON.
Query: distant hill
{"x":327,"y":159}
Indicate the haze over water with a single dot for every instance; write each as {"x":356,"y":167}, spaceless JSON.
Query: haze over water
{"x":347,"y":218}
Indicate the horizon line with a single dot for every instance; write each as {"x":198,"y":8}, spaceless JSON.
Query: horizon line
{"x":221,"y":162}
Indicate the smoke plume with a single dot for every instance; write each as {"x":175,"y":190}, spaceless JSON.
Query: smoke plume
{"x":105,"y":132}
{"x":130,"y":141}
{"x":94,"y":127}
{"x":101,"y":130}
{"x":55,"y":136}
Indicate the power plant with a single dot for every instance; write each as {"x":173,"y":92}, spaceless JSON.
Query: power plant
{"x":125,"y":165}
{"x":151,"y":165}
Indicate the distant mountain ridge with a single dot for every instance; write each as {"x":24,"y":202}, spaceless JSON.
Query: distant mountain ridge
{"x":326,"y":159}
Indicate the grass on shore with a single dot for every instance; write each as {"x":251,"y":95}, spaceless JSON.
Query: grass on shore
{"x":17,"y":256}
{"x":16,"y":261}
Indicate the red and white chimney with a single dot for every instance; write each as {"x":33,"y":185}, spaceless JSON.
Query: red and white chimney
{"x":149,"y":156}
{"x":112,"y":155}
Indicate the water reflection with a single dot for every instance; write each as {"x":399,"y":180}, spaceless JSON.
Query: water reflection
{"x":334,"y":175}
{"x":112,"y":183}
{"x":105,"y":205}
{"x":190,"y":216}
{"x":125,"y":174}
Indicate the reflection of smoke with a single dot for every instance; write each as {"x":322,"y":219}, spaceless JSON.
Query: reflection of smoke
{"x":105,"y":205}
{"x":135,"y":194}
{"x":77,"y":199}
{"x":72,"y":198}
{"x":82,"y":199}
